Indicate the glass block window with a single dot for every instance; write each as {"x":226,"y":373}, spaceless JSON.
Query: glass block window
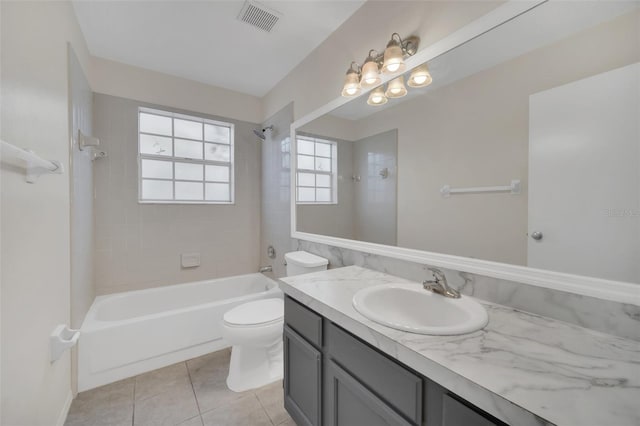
{"x":316,"y":173}
{"x":184,"y":159}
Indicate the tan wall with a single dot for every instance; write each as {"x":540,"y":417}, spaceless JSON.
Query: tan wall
{"x":35,"y":218}
{"x":126,"y":81}
{"x":318,"y":79}
{"x":139,"y":245}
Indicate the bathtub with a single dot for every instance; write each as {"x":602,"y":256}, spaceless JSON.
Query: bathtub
{"x":125,"y":334}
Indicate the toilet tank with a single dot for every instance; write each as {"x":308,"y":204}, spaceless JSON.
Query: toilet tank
{"x":302,"y":262}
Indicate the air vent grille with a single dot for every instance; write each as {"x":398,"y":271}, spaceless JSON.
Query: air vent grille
{"x":259,"y":16}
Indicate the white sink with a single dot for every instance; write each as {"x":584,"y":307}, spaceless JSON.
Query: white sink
{"x":411,"y":308}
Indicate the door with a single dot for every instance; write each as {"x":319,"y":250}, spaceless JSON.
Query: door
{"x":584,"y":182}
{"x":302,"y":379}
{"x":349,"y":403}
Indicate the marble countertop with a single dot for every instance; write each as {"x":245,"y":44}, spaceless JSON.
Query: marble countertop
{"x":522,"y":368}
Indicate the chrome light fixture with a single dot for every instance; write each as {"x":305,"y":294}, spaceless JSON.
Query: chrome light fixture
{"x":370,"y":71}
{"x":377,"y":97}
{"x":395,"y":88}
{"x":420,"y":77}
{"x":391,"y":61}
{"x":352,"y":81}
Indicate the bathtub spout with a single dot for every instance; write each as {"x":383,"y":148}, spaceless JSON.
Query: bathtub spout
{"x":267,"y":268}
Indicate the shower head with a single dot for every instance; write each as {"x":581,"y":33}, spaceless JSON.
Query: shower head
{"x":260,"y":133}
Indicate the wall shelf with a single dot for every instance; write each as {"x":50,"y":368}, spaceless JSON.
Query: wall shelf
{"x":34,"y":165}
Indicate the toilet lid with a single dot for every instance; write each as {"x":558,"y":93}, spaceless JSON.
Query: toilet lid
{"x":256,"y":312}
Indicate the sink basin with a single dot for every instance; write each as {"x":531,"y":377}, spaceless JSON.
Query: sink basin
{"x":411,"y":308}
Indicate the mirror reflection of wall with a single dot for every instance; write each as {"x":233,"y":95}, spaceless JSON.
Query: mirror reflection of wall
{"x":362,"y":184}
{"x":551,"y":99}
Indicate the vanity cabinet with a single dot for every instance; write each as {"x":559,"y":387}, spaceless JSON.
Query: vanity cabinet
{"x":302,"y":379}
{"x":332,"y":378}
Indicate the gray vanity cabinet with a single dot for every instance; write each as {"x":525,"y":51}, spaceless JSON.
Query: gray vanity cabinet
{"x":349,"y":403}
{"x":302,"y":380}
{"x":332,"y":378}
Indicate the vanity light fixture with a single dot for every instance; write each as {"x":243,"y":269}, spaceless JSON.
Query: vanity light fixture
{"x":420,"y":77}
{"x":352,"y":81}
{"x":377,"y":97}
{"x":396,"y":88}
{"x":370,"y":71}
{"x":391,"y":61}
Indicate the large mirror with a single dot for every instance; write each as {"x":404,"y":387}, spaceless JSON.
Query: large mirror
{"x":524,"y":150}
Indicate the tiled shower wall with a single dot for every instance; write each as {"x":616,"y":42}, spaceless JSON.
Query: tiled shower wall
{"x":139,"y":245}
{"x":276,"y":216}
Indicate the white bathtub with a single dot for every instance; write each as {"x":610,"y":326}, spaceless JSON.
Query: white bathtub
{"x":129,"y":333}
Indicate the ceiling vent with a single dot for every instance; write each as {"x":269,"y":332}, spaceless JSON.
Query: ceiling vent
{"x":259,"y":16}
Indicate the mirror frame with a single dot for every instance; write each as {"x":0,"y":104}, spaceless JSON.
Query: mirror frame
{"x":616,"y":291}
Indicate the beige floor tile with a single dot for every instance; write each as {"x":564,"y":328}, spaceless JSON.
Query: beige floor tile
{"x":169,"y":408}
{"x":158,"y":381}
{"x":110,"y":405}
{"x":216,"y":363}
{"x":272,"y":399}
{"x":245,"y":411}
{"x":209,"y":375}
{"x":288,"y":422}
{"x":195,"y":421}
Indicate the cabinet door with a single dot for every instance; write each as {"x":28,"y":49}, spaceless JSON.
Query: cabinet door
{"x":302,"y":379}
{"x":349,"y":403}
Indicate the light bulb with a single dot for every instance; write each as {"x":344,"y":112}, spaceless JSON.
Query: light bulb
{"x":377,"y":97}
{"x":420,"y":77}
{"x":393,"y":67}
{"x":396,"y":88}
{"x":351,"y":83}
{"x":370,"y":73}
{"x":393,"y":56}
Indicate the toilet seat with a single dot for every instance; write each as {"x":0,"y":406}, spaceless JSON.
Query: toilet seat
{"x":257,"y":313}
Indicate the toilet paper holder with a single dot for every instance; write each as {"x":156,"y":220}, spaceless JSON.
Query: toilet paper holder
{"x":62,"y":338}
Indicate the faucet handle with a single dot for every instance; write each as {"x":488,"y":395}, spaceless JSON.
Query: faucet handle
{"x":438,"y":275}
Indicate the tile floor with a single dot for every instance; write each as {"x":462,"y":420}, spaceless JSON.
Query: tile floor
{"x":191,"y":393}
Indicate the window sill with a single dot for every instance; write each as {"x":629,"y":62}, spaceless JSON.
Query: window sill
{"x":223,"y":203}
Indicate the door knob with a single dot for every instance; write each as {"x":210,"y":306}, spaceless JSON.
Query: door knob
{"x":536,"y":235}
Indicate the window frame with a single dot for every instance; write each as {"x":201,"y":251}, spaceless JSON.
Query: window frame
{"x":333,"y":174}
{"x":173,"y":159}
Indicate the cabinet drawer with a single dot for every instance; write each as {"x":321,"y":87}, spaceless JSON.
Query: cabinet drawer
{"x":304,"y":321}
{"x":397,"y":386}
{"x":455,"y":413}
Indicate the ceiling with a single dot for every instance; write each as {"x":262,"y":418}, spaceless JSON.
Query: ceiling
{"x":204,"y":40}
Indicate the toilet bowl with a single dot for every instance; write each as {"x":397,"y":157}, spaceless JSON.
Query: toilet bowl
{"x":254,"y":329}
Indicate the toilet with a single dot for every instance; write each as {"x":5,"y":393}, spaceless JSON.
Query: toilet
{"x":254,"y":329}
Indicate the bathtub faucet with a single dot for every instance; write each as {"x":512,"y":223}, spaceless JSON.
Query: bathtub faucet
{"x":267,"y":268}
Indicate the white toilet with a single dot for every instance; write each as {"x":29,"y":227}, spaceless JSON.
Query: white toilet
{"x":254,"y":329}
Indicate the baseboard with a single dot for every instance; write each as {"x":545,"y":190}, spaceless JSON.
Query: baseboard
{"x":65,"y":409}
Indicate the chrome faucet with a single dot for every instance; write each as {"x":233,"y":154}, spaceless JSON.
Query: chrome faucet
{"x":267,"y":268}
{"x":439,"y":285}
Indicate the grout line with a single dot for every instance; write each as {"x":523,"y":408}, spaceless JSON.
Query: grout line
{"x":133,"y":411}
{"x":193,"y":389}
{"x":263,"y":409}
